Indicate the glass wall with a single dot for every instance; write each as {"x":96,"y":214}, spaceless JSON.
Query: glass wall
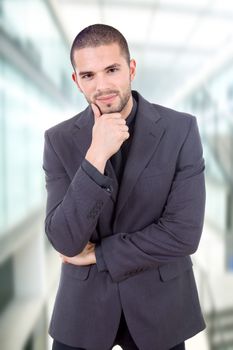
{"x":212,"y":102}
{"x":36,"y":91}
{"x":30,"y":24}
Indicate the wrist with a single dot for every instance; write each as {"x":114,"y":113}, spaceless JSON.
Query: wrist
{"x":96,"y":159}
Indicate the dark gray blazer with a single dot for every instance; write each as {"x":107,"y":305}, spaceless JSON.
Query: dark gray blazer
{"x":146,"y":244}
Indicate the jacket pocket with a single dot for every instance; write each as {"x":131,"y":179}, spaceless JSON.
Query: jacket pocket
{"x":174,"y":269}
{"x":75,"y":271}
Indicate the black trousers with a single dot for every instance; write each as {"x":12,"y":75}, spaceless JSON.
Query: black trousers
{"x":123,"y":338}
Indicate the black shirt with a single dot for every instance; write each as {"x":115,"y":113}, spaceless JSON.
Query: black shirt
{"x":118,"y":161}
{"x":102,"y":179}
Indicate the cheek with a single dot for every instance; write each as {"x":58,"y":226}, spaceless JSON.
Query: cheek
{"x":85,"y":86}
{"x":122,"y":83}
{"x":87,"y":90}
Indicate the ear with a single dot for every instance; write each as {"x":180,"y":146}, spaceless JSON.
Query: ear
{"x":132,"y":68}
{"x":74,"y":78}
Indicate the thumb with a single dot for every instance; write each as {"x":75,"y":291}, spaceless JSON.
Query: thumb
{"x":96,"y":111}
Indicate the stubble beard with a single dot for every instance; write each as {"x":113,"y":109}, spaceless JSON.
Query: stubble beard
{"x":110,"y":107}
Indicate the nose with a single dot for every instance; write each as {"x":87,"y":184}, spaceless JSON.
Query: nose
{"x":101,"y":83}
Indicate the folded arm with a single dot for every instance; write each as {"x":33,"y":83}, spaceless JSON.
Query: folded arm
{"x":73,"y":207}
{"x":177,"y":232}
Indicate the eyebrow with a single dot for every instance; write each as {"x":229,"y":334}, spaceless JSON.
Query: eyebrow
{"x":114,"y":65}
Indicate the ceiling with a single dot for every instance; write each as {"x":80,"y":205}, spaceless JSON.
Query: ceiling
{"x":171,"y":40}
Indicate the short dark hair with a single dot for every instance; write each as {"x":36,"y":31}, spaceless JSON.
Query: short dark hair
{"x":96,"y":35}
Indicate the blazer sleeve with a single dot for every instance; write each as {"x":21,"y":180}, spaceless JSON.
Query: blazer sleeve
{"x":177,"y":232}
{"x":72,"y":207}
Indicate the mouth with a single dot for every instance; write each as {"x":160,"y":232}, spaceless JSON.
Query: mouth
{"x":107,"y":98}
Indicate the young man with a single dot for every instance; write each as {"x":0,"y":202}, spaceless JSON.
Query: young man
{"x":125,"y":208}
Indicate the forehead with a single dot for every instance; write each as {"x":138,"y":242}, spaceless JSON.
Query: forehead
{"x":95,"y":58}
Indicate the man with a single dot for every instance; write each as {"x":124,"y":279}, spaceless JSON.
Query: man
{"x":125,"y":209}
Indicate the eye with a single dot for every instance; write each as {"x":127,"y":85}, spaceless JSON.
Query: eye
{"x":87,"y":76}
{"x":112,"y":70}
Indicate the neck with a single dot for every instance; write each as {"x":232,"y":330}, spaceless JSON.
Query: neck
{"x":127,"y":109}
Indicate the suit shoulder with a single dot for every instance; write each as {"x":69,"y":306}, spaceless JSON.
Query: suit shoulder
{"x":63,"y":127}
{"x":173,"y":116}
{"x":178,"y":124}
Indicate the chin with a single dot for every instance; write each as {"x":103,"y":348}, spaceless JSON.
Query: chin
{"x":110,"y":109}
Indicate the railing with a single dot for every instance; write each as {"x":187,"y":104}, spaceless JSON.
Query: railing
{"x":219,"y":145}
{"x":219,"y":322}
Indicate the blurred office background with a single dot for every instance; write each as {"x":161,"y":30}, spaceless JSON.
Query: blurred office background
{"x":184,"y":54}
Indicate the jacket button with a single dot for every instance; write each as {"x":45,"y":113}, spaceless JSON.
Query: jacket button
{"x":108,"y":189}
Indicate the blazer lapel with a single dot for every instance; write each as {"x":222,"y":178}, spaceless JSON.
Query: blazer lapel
{"x":82,"y":136}
{"x":147,"y":135}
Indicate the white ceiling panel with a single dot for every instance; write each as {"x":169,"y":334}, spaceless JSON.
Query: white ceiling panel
{"x":75,"y":18}
{"x":212,"y":33}
{"x":225,"y":6}
{"x":169,"y":28}
{"x":133,"y":22}
{"x":197,"y":4}
{"x":134,"y":2}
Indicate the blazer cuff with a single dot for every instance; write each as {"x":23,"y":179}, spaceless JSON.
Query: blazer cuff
{"x":100,"y":263}
{"x":99,"y":178}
